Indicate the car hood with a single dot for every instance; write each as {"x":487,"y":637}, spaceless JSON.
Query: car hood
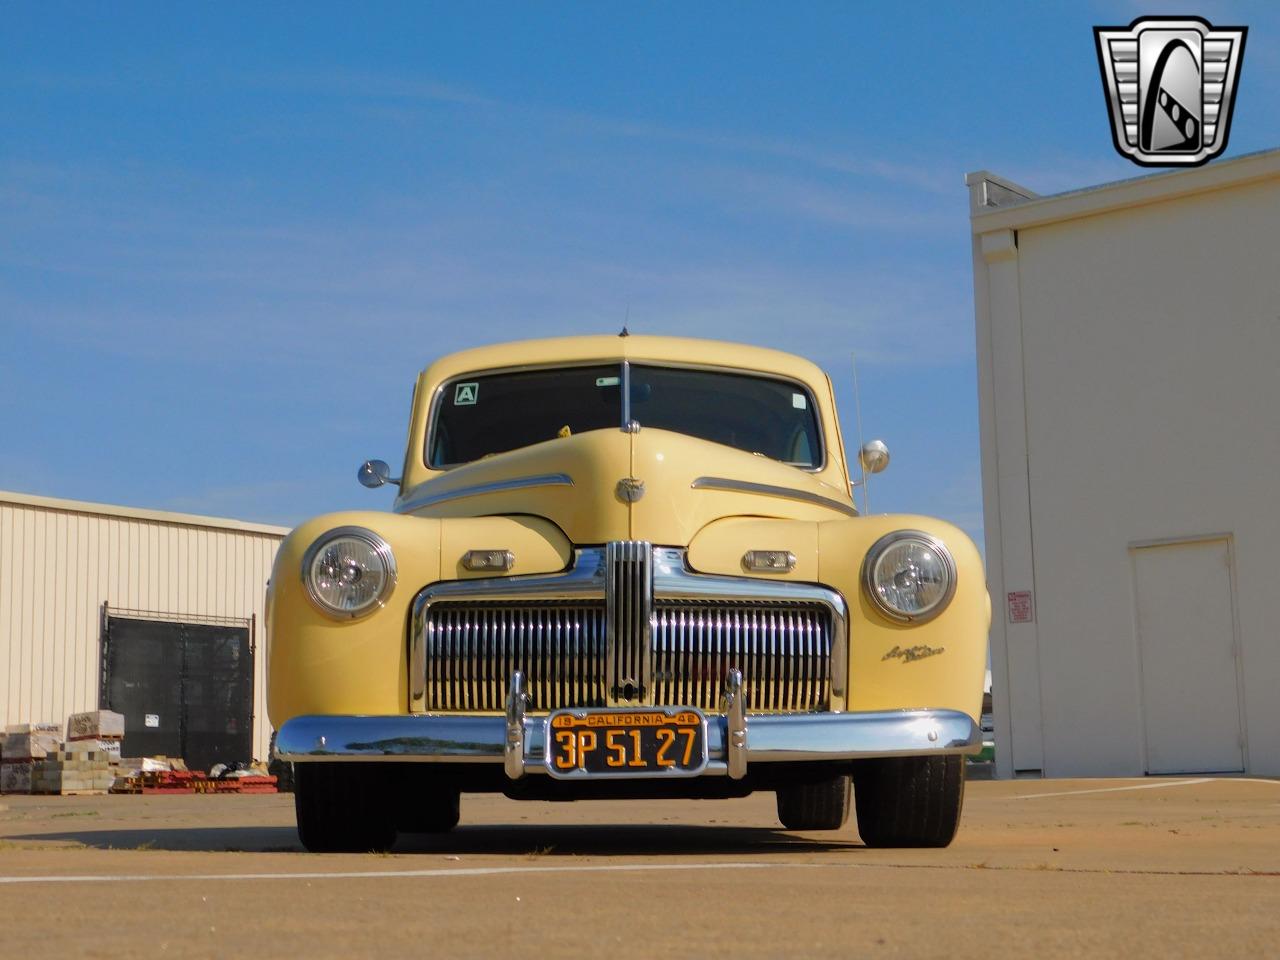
{"x":690,"y":483}
{"x":604,"y":485}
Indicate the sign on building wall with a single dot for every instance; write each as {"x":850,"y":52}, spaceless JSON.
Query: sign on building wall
{"x":1021,"y":609}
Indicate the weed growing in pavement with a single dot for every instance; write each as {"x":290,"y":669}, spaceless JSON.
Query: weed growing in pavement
{"x":7,"y":845}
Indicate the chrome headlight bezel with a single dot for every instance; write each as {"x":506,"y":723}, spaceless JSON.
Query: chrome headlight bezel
{"x":381,"y":549}
{"x":876,"y":554}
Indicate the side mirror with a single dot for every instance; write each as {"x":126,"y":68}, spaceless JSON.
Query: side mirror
{"x":375,"y":473}
{"x":874,"y":456}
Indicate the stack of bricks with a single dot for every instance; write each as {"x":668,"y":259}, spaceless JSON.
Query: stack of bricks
{"x":24,"y":746}
{"x":87,"y":763}
{"x":73,"y":771}
{"x":101,"y":731}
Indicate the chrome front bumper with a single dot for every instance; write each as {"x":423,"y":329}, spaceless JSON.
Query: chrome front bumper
{"x":735,"y":739}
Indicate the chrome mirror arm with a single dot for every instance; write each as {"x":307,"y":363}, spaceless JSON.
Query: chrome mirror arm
{"x":374,"y":474}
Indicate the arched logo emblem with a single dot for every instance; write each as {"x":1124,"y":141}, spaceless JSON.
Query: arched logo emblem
{"x":630,"y":489}
{"x":1171,"y":85}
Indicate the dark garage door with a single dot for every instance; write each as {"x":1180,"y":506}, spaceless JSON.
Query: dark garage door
{"x":185,"y":689}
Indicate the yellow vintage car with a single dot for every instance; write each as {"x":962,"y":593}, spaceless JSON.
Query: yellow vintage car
{"x":625,"y":567}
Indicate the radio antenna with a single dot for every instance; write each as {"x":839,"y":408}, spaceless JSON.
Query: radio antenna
{"x":857,"y":406}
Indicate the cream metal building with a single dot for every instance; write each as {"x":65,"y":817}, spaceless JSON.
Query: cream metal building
{"x":1129,"y":362}
{"x":72,"y":572}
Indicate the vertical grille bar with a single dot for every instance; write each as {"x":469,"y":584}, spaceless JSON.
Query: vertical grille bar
{"x":628,"y":604}
{"x":473,"y":657}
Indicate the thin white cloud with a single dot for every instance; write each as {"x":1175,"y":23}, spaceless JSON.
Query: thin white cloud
{"x":344,"y":83}
{"x":849,"y":204}
{"x":863,"y":163}
{"x":915,"y":176}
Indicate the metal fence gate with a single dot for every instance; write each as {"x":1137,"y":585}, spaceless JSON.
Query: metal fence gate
{"x":184,"y":685}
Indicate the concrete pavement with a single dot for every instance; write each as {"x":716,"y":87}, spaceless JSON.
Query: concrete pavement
{"x":1182,"y":866}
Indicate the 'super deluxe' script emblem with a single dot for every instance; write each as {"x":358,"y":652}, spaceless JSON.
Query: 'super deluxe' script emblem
{"x":912,"y":654}
{"x":1170,"y":84}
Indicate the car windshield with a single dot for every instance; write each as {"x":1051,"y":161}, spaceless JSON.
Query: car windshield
{"x":480,"y":415}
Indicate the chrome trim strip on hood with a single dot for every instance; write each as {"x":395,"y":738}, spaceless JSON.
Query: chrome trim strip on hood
{"x":415,"y":502}
{"x":769,"y":490}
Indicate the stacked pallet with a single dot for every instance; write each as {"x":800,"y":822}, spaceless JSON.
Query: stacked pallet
{"x":171,"y":781}
{"x":130,"y":773}
{"x":37,"y":760}
{"x":192,"y":782}
{"x":126,"y":783}
{"x":25,"y":745}
{"x":255,"y":784}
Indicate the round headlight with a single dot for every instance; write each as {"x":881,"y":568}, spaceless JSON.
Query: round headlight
{"x":349,"y":572}
{"x":909,"y":576}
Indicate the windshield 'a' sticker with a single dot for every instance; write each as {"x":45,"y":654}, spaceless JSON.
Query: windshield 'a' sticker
{"x":464,"y":394}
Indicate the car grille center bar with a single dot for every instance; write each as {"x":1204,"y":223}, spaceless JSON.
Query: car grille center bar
{"x":627,"y":625}
{"x":629,"y":602}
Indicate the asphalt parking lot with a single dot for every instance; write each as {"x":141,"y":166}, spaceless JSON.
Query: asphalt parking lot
{"x":1176,"y":867}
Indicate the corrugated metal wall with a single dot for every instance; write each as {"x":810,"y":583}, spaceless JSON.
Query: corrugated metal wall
{"x":60,"y":561}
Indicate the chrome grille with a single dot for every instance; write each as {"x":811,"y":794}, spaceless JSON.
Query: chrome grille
{"x":782,"y":649}
{"x":472,"y":650}
{"x":626,"y":623}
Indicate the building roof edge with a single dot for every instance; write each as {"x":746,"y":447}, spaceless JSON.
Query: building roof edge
{"x":138,"y":513}
{"x":1116,"y":195}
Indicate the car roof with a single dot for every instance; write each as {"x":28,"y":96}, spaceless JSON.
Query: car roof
{"x":637,"y":348}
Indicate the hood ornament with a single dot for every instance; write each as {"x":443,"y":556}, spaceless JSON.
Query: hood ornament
{"x":630,"y":489}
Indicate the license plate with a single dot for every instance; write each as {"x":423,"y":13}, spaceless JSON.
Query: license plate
{"x":657,"y":742}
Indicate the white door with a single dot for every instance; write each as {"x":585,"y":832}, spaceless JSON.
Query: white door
{"x":1186,"y":641}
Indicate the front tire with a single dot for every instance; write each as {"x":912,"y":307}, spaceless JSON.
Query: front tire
{"x":821,"y":805}
{"x":343,"y":808}
{"x":434,"y":810}
{"x":909,"y":801}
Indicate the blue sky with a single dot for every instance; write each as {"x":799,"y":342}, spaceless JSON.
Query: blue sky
{"x":233,"y":234}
